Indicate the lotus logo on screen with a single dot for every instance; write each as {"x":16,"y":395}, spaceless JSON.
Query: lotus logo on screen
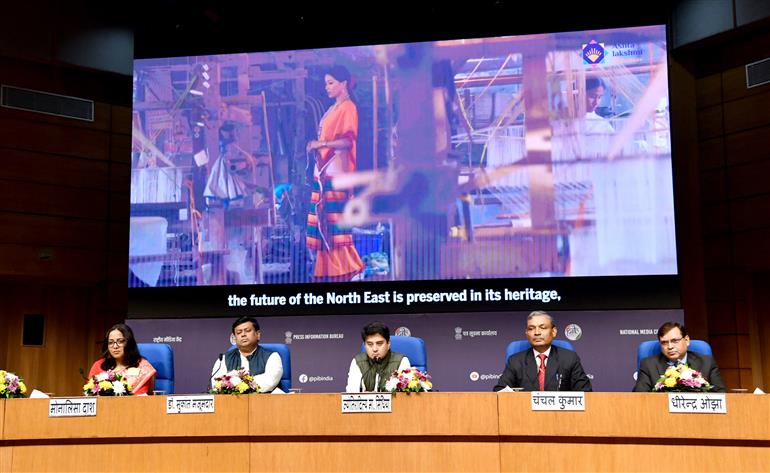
{"x":573,"y":332}
{"x":403,"y":332}
{"x":593,"y":52}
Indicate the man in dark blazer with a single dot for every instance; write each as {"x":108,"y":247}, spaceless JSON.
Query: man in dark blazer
{"x":562,"y":370}
{"x":674,"y":341}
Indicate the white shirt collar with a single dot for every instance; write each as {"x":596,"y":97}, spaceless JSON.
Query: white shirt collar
{"x":547,"y":354}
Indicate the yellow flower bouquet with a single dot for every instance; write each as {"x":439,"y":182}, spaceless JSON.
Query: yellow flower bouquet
{"x":682,"y":379}
{"x":410,"y":380}
{"x":11,"y":385}
{"x":235,"y":382}
{"x":107,"y":383}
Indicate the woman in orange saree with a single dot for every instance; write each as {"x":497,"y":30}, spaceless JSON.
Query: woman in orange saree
{"x":121,"y":355}
{"x":336,"y":258}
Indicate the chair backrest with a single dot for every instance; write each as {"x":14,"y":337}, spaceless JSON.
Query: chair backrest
{"x":412,"y":347}
{"x":517,"y":346}
{"x":652,"y":348}
{"x":283,"y":351}
{"x":161,"y":357}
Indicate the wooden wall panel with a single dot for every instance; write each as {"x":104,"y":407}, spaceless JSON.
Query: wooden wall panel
{"x":52,"y":367}
{"x":714,"y":187}
{"x":750,"y":213}
{"x":55,"y":139}
{"x":734,"y":85}
{"x":121,"y":119}
{"x":58,"y":264}
{"x":712,"y":154}
{"x":751,"y":250}
{"x":715,"y":219}
{"x":120,"y":179}
{"x":54,"y":169}
{"x":742,"y":180}
{"x":710,"y":122}
{"x":708,"y":90}
{"x":749,"y":112}
{"x":719,"y":285}
{"x":43,"y":230}
{"x":119,"y":237}
{"x":748,"y":146}
{"x":725,"y":350}
{"x":716,"y":251}
{"x":42,"y":199}
{"x":721,"y":316}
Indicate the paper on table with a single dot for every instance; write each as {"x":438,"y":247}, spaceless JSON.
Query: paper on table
{"x":35,"y":394}
{"x":758,"y":391}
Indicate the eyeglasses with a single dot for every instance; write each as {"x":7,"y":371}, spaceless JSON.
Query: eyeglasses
{"x":116,"y":343}
{"x":673,"y":341}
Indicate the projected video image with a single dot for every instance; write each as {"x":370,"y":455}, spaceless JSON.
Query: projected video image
{"x":509,"y":157}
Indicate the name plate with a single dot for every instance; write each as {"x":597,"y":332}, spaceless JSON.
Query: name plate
{"x":366,"y":402}
{"x":697,"y":403}
{"x":189,"y":404}
{"x":72,"y":407}
{"x":558,"y":401}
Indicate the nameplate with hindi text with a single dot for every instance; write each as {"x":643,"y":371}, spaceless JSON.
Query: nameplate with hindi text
{"x":190,"y":404}
{"x":697,"y":403}
{"x":558,"y":400}
{"x":72,"y":407}
{"x":366,"y":402}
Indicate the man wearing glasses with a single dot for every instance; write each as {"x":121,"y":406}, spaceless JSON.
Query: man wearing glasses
{"x":674,"y":341}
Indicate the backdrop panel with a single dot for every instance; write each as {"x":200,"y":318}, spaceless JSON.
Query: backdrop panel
{"x":466,"y":351}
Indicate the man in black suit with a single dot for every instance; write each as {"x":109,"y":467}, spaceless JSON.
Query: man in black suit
{"x":545,"y":367}
{"x":674,"y":341}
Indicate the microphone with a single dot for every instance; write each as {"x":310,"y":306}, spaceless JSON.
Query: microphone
{"x":217,"y":366}
{"x":372,"y":362}
{"x":83,"y":374}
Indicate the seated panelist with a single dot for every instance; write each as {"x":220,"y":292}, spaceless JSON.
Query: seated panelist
{"x":370,"y":370}
{"x":674,"y":341}
{"x":120,"y":354}
{"x":263,"y":364}
{"x":545,"y":367}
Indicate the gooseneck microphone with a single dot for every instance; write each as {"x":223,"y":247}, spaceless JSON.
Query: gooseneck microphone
{"x":217,"y":366}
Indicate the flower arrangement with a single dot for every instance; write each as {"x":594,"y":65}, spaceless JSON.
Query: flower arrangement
{"x":107,"y":383}
{"x":11,"y":385}
{"x":410,"y":380}
{"x":235,"y":382}
{"x":682,"y":379}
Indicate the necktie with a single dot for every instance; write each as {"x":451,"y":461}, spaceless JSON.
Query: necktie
{"x":541,"y":371}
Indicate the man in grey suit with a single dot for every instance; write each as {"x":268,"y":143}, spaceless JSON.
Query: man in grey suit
{"x":674,"y":341}
{"x":545,"y":367}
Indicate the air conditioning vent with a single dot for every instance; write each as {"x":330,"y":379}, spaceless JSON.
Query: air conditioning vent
{"x":44,"y":102}
{"x":758,"y":73}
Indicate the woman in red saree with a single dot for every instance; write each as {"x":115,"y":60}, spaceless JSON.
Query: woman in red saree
{"x":121,"y":355}
{"x":335,"y":153}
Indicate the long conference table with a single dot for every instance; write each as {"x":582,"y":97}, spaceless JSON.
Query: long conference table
{"x":424,"y":432}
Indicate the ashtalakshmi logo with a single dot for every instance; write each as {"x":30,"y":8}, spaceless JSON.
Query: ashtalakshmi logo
{"x":403,"y":332}
{"x":573,"y":332}
{"x":593,"y":52}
